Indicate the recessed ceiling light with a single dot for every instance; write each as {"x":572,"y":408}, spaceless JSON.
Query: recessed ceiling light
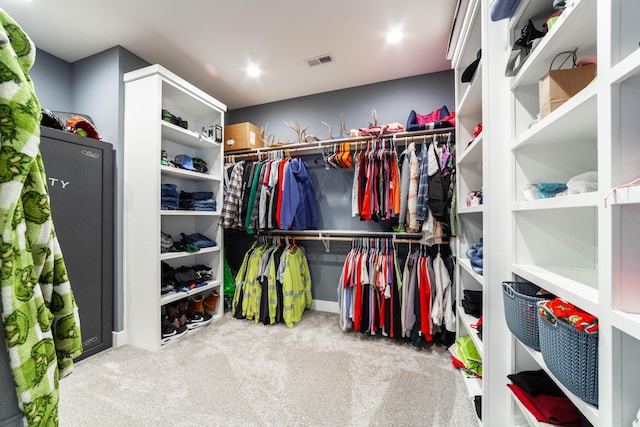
{"x":394,"y":36}
{"x":253,"y":70}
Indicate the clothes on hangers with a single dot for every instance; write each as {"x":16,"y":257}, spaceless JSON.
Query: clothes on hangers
{"x":377,"y":183}
{"x":426,"y":297}
{"x":270,"y":194}
{"x":230,"y":216}
{"x":273,"y":284}
{"x":376,"y":297}
{"x":412,"y":196}
{"x":368,"y":290}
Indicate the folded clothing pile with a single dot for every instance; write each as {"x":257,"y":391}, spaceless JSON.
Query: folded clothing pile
{"x":200,"y":240}
{"x":464,"y":355}
{"x":169,"y":197}
{"x":472,"y":302}
{"x":197,"y":201}
{"x":544,"y":399}
{"x":184,"y":278}
{"x":544,"y":190}
{"x":475,"y":255}
{"x":437,"y":119}
{"x":189,"y":242}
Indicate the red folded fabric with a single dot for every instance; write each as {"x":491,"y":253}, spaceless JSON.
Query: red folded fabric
{"x":571,"y":314}
{"x":554,"y":410}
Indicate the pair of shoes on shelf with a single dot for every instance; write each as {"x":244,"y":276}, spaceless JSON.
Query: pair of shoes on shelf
{"x":200,"y":310}
{"x":196,"y":315}
{"x":174,"y":322}
{"x":211,"y":302}
{"x":169,"y":332}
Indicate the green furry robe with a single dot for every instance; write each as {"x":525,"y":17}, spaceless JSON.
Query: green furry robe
{"x":38,"y":309}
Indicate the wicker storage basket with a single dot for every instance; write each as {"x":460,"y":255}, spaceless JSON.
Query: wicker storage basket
{"x":571,"y":355}
{"x":520,"y":306}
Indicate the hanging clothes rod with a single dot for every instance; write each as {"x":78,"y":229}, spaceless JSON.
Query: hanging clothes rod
{"x":326,"y":236}
{"x":343,"y":233}
{"x":349,"y":239}
{"x":355,"y":141}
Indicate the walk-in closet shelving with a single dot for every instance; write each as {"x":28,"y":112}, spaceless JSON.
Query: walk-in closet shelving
{"x":470,"y":176}
{"x":556,"y":242}
{"x":148,"y":92}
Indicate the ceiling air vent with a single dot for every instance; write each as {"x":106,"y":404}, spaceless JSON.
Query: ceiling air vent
{"x":318,"y":60}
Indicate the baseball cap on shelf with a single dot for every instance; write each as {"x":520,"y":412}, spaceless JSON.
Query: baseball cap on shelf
{"x":200,"y":165}
{"x":185,"y":162}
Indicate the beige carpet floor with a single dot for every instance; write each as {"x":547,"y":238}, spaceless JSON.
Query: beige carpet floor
{"x":238,"y":373}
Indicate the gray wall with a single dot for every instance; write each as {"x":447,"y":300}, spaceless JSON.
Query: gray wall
{"x":93,"y":86}
{"x":52,"y":80}
{"x":393,"y":100}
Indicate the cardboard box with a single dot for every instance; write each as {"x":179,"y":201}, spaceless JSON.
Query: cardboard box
{"x":557,"y":86}
{"x":242,"y":136}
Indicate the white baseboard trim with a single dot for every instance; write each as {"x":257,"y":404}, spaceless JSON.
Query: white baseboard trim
{"x":326,"y":306}
{"x":119,"y":338}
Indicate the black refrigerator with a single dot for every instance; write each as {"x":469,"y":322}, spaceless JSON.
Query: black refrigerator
{"x":80,"y":173}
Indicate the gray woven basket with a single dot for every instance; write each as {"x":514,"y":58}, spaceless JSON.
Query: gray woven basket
{"x":571,"y":355}
{"x":520,"y":304}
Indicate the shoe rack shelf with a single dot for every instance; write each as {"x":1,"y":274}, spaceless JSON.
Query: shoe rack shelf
{"x":176,"y":296}
{"x":176,"y":255}
{"x":148,"y":92}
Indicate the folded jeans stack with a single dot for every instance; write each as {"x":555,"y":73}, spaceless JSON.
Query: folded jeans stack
{"x":200,"y":240}
{"x":169,"y":197}
{"x":197,"y":201}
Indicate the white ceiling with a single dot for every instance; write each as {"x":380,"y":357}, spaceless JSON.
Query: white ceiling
{"x":211,"y":42}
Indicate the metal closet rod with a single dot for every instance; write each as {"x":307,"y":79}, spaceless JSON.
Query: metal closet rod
{"x":342,"y":233}
{"x":345,"y":236}
{"x":317,"y":145}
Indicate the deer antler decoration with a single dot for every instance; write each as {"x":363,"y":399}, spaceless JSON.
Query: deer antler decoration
{"x":299,"y":132}
{"x":343,"y":131}
{"x":263,"y":131}
{"x":328,"y":130}
{"x":296,"y":128}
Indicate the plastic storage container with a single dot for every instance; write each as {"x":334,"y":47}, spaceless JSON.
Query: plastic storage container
{"x":571,"y":355}
{"x":520,"y":307}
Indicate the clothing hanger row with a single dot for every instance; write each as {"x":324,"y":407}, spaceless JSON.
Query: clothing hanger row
{"x":339,"y":147}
